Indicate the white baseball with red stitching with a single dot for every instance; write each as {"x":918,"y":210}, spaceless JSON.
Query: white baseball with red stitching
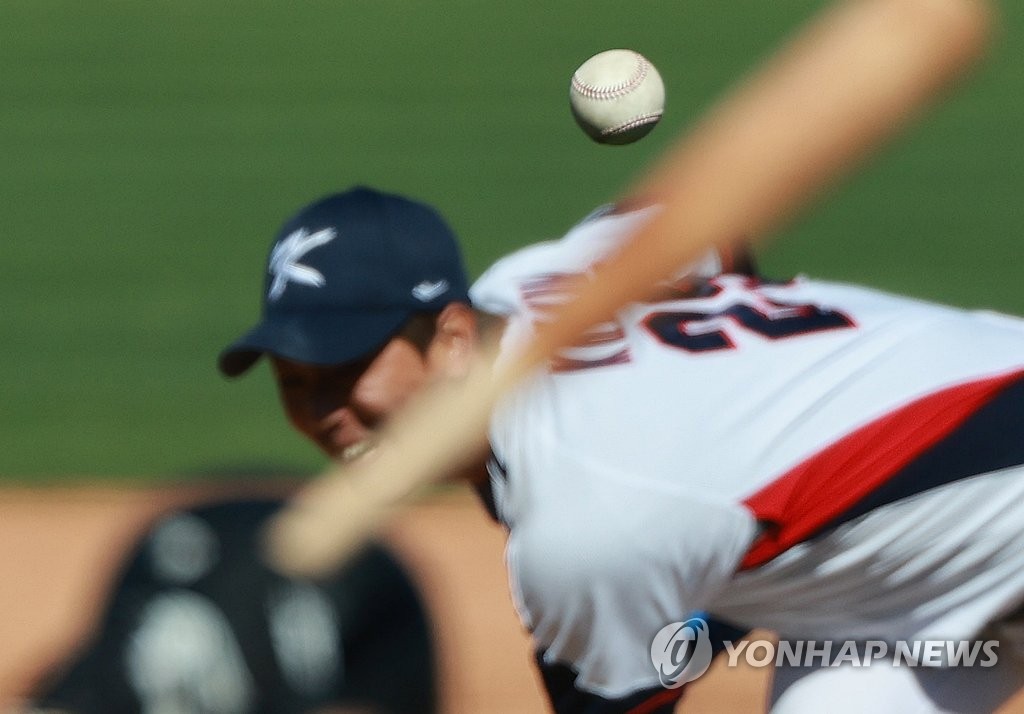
{"x":617,"y":96}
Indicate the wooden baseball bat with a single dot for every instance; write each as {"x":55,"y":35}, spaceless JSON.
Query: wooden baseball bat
{"x":848,"y":81}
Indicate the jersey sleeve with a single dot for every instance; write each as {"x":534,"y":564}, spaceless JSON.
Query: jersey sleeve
{"x":602,"y":561}
{"x":568,"y":697}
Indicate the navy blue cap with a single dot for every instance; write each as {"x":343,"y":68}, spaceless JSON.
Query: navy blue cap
{"x":345,"y":273}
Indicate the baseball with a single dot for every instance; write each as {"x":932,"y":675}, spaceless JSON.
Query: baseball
{"x":617,"y":96}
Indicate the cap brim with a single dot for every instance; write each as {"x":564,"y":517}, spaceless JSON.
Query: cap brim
{"x":322,"y":338}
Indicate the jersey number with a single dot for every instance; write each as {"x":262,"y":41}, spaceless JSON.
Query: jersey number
{"x":704,"y":332}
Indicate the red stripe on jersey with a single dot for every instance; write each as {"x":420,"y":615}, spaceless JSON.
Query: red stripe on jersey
{"x":658,"y":700}
{"x":803,"y":500}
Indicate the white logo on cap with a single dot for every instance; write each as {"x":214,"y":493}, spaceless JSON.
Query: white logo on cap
{"x":284,"y":265}
{"x":429,"y":289}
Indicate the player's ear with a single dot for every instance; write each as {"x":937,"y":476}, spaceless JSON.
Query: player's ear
{"x":455,"y":338}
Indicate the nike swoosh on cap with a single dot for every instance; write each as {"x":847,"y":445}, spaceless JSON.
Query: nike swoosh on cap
{"x":429,"y":289}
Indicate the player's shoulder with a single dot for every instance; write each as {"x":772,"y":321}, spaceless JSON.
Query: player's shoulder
{"x":855,"y":295}
{"x":586,"y":241}
{"x":540,"y":265}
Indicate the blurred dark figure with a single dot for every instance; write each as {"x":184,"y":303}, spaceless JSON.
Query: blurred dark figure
{"x":197,"y":624}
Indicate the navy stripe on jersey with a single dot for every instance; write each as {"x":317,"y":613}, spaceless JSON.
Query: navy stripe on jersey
{"x":991,"y":439}
{"x":962,"y":431}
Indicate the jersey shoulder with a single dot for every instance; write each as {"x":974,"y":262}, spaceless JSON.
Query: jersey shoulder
{"x":531,"y":276}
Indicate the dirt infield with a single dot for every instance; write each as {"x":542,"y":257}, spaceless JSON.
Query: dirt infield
{"x":61,"y":546}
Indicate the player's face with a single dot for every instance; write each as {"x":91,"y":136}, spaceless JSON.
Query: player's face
{"x":339,"y":406}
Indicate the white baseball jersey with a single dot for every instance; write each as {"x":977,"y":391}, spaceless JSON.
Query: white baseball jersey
{"x":802,"y":456}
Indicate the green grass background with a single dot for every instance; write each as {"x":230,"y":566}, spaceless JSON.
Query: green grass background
{"x":149,"y":151}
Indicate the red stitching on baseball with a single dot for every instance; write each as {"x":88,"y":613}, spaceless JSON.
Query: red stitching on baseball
{"x":603,"y":93}
{"x":632,"y":124}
